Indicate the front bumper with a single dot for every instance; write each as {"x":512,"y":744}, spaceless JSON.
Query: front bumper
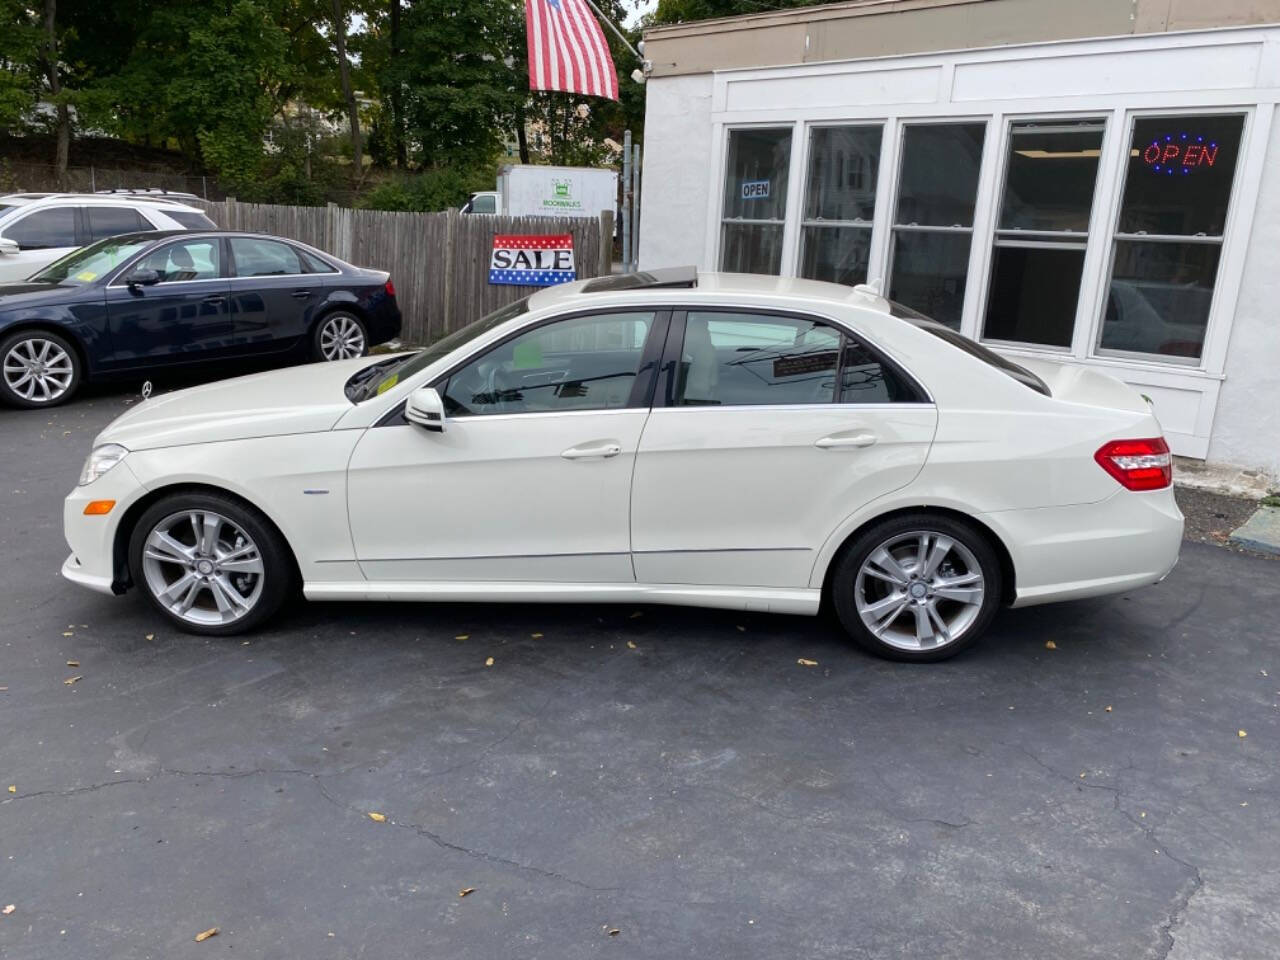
{"x":92,"y":538}
{"x":1066,"y":553}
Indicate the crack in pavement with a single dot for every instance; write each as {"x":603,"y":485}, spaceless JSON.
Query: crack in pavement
{"x":444,"y":844}
{"x":168,"y":772}
{"x":1165,"y":929}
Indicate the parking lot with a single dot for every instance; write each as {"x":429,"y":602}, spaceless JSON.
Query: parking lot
{"x":1096,"y":779}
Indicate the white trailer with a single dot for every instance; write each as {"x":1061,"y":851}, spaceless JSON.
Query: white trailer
{"x":531,"y":190}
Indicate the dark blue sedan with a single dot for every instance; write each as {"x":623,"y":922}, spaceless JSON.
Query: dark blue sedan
{"x":140,"y":302}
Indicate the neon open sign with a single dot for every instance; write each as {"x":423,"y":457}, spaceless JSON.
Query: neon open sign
{"x":1183,"y":152}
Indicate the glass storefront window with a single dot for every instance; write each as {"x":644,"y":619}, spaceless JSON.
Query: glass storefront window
{"x":840,"y":203}
{"x":933,"y":220}
{"x":1172,"y":217}
{"x":1034,"y":288}
{"x":755,"y":200}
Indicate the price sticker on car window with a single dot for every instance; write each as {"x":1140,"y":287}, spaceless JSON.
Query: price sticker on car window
{"x":388,"y":383}
{"x":86,"y":276}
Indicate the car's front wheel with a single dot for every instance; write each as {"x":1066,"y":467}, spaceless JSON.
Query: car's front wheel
{"x":41,"y":369}
{"x":917,"y":587}
{"x":209,"y":563}
{"x":340,"y":336}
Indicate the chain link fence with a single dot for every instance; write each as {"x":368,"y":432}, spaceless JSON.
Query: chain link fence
{"x":21,"y":177}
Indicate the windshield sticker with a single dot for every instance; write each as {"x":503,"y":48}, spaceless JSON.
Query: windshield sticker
{"x":86,"y":276}
{"x":388,"y":383}
{"x":527,"y":356}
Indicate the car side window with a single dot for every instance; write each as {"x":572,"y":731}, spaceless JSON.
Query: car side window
{"x":580,"y":363}
{"x":45,"y":229}
{"x":734,"y":359}
{"x":186,"y":260}
{"x":313,"y":264}
{"x":865,"y":377}
{"x":484,"y":204}
{"x":106,"y":222}
{"x":264,"y":258}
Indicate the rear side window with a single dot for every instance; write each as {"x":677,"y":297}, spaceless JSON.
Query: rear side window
{"x":971,"y":347}
{"x":44,"y":229}
{"x":313,"y":264}
{"x":106,"y":222}
{"x":739,"y":359}
{"x":264,"y":258}
{"x":191,"y":220}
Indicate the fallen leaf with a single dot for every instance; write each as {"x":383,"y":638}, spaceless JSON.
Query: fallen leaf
{"x":73,"y":663}
{"x":489,"y":662}
{"x":378,"y":817}
{"x":149,"y":636}
{"x":535,"y":636}
{"x":631,"y":644}
{"x":67,"y":633}
{"x":8,"y":909}
{"x":206,"y":934}
{"x":13,"y":788}
{"x":463,"y":636}
{"x":70,"y":680}
{"x":1241,"y":734}
{"x":614,"y":931}
{"x":1108,"y":709}
{"x":1082,"y":776}
{"x":466,"y":890}
{"x":1050,"y":645}
{"x":807,"y":663}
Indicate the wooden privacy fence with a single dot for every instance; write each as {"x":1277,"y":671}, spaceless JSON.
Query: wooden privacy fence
{"x":439,"y":262}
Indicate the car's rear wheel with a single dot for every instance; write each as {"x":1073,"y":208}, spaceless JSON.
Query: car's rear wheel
{"x":41,"y":369}
{"x":209,"y":563}
{"x":917,"y":587}
{"x":340,"y":336}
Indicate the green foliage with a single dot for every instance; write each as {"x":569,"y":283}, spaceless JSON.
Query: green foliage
{"x":437,"y":189}
{"x":19,"y":43}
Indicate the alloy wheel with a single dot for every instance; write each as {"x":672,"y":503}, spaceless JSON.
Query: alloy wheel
{"x":341,"y":338}
{"x":920,"y":590}
{"x":203,"y":568}
{"x":38,"y":370}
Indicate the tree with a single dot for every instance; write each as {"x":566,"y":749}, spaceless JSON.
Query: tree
{"x":348,"y":92}
{"x":685,"y":11}
{"x":19,"y":46}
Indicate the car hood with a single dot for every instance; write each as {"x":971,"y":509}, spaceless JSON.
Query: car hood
{"x":15,"y":295}
{"x":303,"y":399}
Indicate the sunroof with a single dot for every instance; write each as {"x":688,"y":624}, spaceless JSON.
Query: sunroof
{"x":644,"y":279}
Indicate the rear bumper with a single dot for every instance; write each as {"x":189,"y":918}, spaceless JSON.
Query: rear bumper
{"x":384,"y":322}
{"x":1087,"y":550}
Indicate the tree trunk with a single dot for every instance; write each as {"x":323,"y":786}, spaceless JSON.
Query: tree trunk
{"x":397,"y":99}
{"x":522,"y":138}
{"x":55,"y":89}
{"x":344,"y":69}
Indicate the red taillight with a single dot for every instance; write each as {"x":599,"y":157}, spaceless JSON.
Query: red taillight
{"x":1138,"y":464}
{"x":391,"y":289}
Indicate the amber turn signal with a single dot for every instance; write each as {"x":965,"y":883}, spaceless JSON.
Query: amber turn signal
{"x":96,"y":508}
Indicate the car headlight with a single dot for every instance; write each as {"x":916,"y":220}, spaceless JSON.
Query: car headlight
{"x":101,"y":460}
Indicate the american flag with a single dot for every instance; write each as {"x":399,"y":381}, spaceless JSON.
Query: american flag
{"x":567,"y":49}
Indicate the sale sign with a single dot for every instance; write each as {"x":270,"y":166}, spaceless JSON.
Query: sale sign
{"x":532,"y":260}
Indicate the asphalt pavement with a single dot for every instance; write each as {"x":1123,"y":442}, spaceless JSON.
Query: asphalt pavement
{"x":1095,"y":779}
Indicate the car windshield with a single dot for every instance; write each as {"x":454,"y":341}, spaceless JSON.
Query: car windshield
{"x":971,"y":347}
{"x":362,"y":386}
{"x":90,"y":263}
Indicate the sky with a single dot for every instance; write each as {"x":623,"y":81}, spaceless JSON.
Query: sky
{"x":638,"y":8}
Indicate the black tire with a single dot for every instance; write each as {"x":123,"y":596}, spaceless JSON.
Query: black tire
{"x":278,"y":572}
{"x":335,"y":336}
{"x":971,"y":618}
{"x":55,"y":378}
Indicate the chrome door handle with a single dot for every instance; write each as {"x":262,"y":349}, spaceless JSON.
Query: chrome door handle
{"x":301,"y":294}
{"x":841,"y":441}
{"x":602,"y":450}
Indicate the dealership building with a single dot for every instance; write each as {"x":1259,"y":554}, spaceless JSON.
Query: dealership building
{"x":1095,"y":181}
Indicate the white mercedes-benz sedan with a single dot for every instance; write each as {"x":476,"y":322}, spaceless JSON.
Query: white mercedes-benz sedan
{"x":733,"y":441}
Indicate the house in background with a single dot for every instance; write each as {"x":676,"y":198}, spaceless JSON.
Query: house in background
{"x":1095,"y":181}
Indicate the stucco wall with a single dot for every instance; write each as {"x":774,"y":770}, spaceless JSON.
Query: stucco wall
{"x":677,"y":149}
{"x":1246,"y":426}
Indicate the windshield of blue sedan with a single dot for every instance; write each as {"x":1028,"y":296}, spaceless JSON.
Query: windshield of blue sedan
{"x":359,"y":388}
{"x":90,"y":263}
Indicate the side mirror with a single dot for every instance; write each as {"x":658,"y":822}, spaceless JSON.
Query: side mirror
{"x":9,"y":247}
{"x":426,"y":409}
{"x":142,"y":278}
